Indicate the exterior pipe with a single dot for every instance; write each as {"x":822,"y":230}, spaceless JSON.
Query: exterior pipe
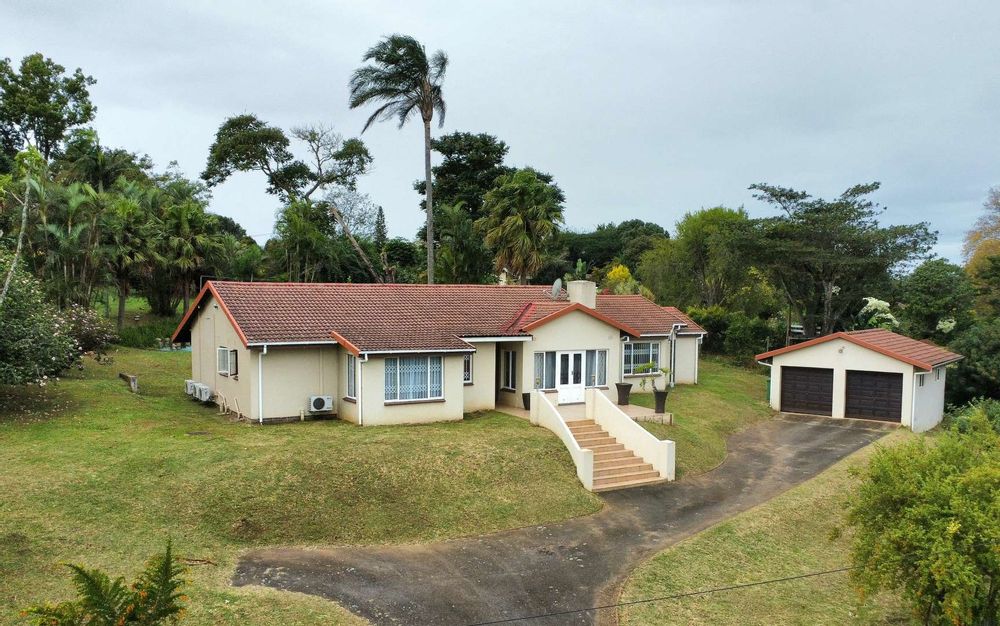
{"x":260,"y":385}
{"x":362,"y":358}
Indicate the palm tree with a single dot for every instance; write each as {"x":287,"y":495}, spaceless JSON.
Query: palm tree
{"x":130,"y":242}
{"x":522,"y":215}
{"x":404,"y":81}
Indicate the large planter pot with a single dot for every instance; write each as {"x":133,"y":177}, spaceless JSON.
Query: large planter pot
{"x":660,"y":397}
{"x":526,"y":399}
{"x":624,"y":389}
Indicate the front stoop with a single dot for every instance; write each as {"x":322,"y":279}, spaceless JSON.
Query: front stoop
{"x":614,"y":466}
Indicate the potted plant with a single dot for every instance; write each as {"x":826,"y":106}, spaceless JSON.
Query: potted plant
{"x":526,"y":399}
{"x":649,"y":375}
{"x":624,"y":389}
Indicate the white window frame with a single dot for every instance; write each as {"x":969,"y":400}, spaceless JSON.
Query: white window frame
{"x":222,"y":361}
{"x":427,"y":386}
{"x":467,"y":374}
{"x":508,"y":375}
{"x":352,"y":380}
{"x":920,"y":380}
{"x":628,"y":364}
{"x":234,"y":363}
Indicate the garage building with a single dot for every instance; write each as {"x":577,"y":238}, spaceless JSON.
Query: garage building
{"x":866,"y":374}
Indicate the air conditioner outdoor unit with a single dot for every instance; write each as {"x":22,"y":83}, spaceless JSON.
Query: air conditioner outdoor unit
{"x":203,"y":393}
{"x":318,"y":404}
{"x":189,"y":387}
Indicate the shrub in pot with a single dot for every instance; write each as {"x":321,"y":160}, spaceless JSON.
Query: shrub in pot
{"x":649,"y":376}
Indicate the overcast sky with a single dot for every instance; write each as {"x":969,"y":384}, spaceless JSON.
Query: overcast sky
{"x":639,"y":109}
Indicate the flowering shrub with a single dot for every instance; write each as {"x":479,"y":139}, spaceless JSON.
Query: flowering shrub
{"x":92,"y":332}
{"x":35,"y":342}
{"x":876,"y":314}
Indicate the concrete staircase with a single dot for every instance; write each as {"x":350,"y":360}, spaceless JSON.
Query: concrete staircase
{"x":615,"y":467}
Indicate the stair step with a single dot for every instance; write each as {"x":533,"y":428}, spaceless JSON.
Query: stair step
{"x":608,"y":472}
{"x":582,"y":430}
{"x":607,"y":447}
{"x":595,"y":441}
{"x":635,"y":475}
{"x":575,"y":423}
{"x":609,"y":455}
{"x":624,"y":461}
{"x":624,"y":482}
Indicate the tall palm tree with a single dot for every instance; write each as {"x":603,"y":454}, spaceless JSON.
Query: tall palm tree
{"x":404,"y":81}
{"x":522,"y":215}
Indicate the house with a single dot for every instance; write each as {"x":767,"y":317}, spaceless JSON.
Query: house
{"x":866,"y":374}
{"x":391,"y":354}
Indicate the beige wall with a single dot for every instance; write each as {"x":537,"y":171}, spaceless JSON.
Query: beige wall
{"x":294,"y":373}
{"x":686,"y":359}
{"x":841,"y":355}
{"x":481,"y":394}
{"x":347,"y":409}
{"x":375,"y":410}
{"x":210,"y":330}
{"x":928,"y":401}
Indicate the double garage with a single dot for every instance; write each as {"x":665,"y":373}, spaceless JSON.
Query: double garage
{"x":867,"y":375}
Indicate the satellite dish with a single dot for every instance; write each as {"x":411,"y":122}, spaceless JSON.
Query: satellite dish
{"x":556,"y":288}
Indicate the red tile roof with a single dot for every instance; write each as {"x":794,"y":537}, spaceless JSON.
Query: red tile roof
{"x":682,"y":318}
{"x":920,"y":354}
{"x":392,"y":317}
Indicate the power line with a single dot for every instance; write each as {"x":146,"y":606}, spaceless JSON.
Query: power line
{"x":677,"y":596}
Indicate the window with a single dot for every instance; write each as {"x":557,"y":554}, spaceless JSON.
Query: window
{"x":508,"y":378}
{"x":920,"y":380}
{"x":352,"y":365}
{"x":937,"y":373}
{"x":467,"y":369}
{"x":234,"y":363}
{"x":222,"y":355}
{"x":635,"y":354}
{"x":596,"y":365}
{"x":413,"y":378}
{"x":597,"y":368}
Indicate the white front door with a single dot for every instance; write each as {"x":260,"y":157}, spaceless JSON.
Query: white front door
{"x":569,"y":377}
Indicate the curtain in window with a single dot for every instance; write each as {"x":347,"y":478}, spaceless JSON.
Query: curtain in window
{"x":391,"y":371}
{"x":539,"y":369}
{"x":351,"y":372}
{"x":412,"y":378}
{"x":602,"y":367}
{"x":434,"y":364}
{"x":550,"y":370}
{"x":591,"y":378}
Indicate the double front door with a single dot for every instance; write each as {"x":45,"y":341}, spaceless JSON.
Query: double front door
{"x":569,"y":377}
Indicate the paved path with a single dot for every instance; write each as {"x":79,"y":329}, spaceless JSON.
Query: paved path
{"x":568,"y":566}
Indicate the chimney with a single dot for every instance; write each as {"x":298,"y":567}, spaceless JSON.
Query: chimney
{"x":583,"y":291}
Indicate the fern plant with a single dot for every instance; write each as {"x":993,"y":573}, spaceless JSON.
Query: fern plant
{"x":154,"y":598}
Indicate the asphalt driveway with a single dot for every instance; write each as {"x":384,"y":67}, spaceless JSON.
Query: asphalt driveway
{"x":563,"y":567}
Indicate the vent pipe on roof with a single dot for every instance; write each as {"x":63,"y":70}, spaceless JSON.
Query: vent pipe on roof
{"x":583,"y":292}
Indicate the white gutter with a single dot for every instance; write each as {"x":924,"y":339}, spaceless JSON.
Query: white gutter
{"x":376,"y":352}
{"x":510,"y":338}
{"x":260,"y":385}
{"x":293,"y":343}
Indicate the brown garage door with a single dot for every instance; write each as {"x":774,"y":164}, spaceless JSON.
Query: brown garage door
{"x":807,"y":390}
{"x":874,"y":396}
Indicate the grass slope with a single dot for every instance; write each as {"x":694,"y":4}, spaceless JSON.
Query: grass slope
{"x":92,"y":474}
{"x":725,"y":400}
{"x":787,"y":536}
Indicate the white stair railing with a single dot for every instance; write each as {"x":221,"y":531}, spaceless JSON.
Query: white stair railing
{"x":544,"y":414}
{"x":661,"y":454}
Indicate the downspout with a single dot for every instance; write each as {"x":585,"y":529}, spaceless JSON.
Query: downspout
{"x":260,"y":385}
{"x":673,"y":353}
{"x":360,"y":399}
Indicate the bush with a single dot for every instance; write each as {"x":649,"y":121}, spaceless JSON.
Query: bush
{"x":961,"y":419}
{"x":715,"y":321}
{"x":92,"y":332}
{"x":978,"y":374}
{"x":35,"y":343}
{"x":145,"y":335}
{"x":154,"y":597}
{"x":748,"y":336}
{"x":927,"y":522}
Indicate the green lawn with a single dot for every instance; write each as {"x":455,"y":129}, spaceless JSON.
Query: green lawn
{"x":92,"y":474}
{"x":725,"y":400}
{"x":787,"y":536}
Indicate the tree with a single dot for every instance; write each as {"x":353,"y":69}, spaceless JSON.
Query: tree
{"x":926,"y":521}
{"x":987,"y":280}
{"x":129,"y":242}
{"x":29,"y":164}
{"x":34,"y":343}
{"x":459,"y":262}
{"x":978,"y":374}
{"x":983,"y":240}
{"x":39,"y":104}
{"x":86,"y":160}
{"x":154,"y":598}
{"x":245,"y":143}
{"x":522,"y":216}
{"x":937,"y":291}
{"x":825,"y":256}
{"x":470,"y":165}
{"x":403,"y":81}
